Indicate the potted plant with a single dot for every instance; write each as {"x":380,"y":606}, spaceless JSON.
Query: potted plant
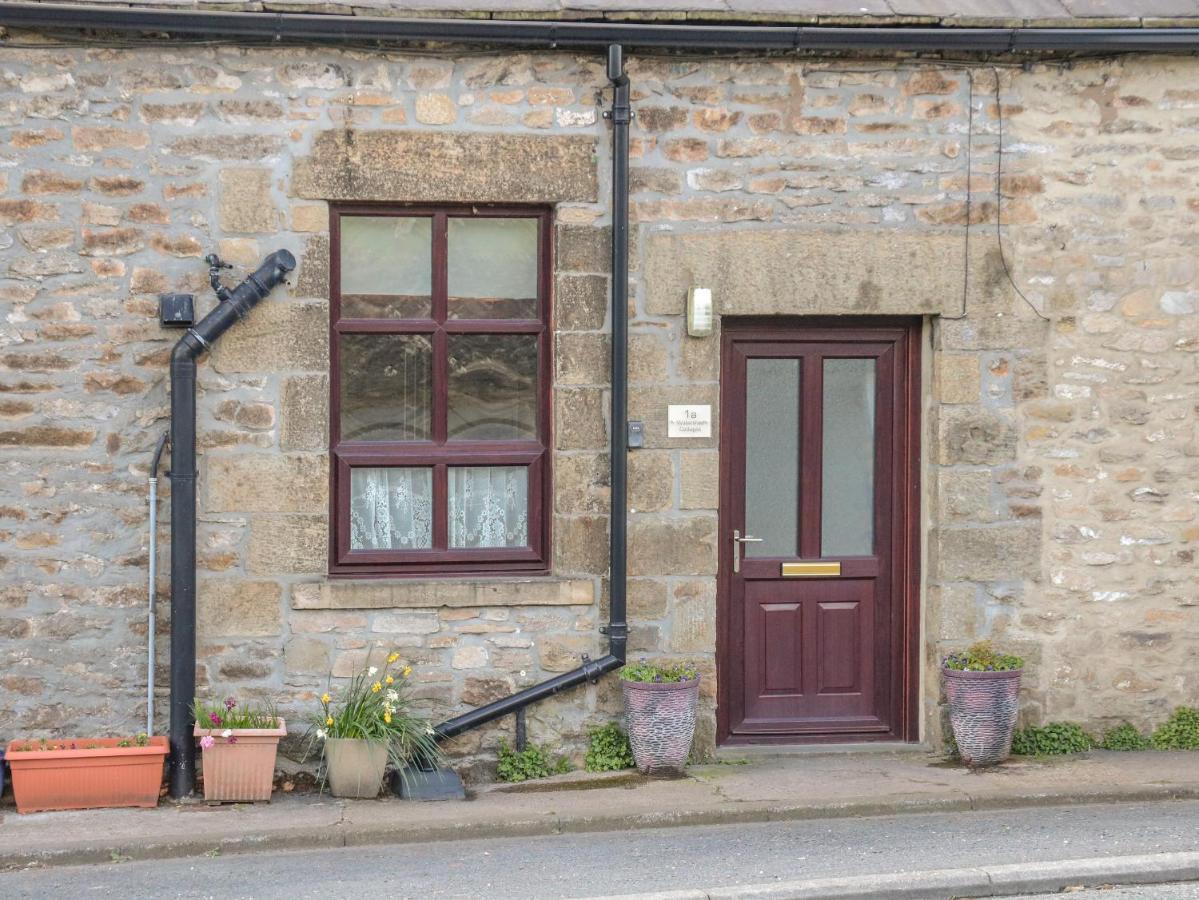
{"x":659,"y":704}
{"x":983,"y":689}
{"x":86,"y":773}
{"x":239,"y":744}
{"x":370,"y":724}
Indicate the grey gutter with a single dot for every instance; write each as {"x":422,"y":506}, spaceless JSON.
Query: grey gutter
{"x":282,"y":27}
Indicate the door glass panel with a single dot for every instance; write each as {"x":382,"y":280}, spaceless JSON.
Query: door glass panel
{"x":847,"y":496}
{"x":772,"y":456}
{"x":386,"y":387}
{"x":386,"y":267}
{"x":489,"y":506}
{"x":493,"y":387}
{"x":391,"y":508}
{"x":492,"y":268}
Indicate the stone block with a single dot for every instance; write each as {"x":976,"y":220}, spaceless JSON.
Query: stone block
{"x":307,"y":656}
{"x":313,"y":277}
{"x":436,"y":593}
{"x":699,"y":479}
{"x":583,"y":359}
{"x":581,"y":545}
{"x":580,"y":302}
{"x":266,"y":483}
{"x":583,"y":248}
{"x":288,"y":545}
{"x":469,"y":657}
{"x":664,"y":545}
{"x":645,"y":599}
{"x":958,"y":379}
{"x":994,"y":553}
{"x":580,"y":419}
{"x":278,"y":335}
{"x":304,"y":413}
{"x":245,"y":203}
{"x":651,"y":480}
{"x":649,"y":404}
{"x":649,"y":358}
{"x":561,"y":653}
{"x":231,"y":607}
{"x":965,"y":495}
{"x":693,"y":617}
{"x":799,"y":271}
{"x":473,"y":167}
{"x":582,"y":483}
{"x":408,"y":622}
{"x":972,"y":436}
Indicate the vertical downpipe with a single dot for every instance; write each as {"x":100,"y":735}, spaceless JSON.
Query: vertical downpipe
{"x":152,"y":592}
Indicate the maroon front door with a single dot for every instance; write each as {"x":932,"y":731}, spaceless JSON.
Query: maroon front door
{"x":819,"y":548}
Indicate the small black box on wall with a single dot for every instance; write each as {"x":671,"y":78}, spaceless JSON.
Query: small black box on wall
{"x":176,"y":310}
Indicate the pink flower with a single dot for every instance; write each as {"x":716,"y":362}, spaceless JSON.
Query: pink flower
{"x":233,"y":740}
{"x":214,"y":718}
{"x":230,"y":703}
{"x":207,"y":741}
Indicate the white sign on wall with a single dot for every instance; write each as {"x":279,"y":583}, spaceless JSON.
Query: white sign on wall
{"x":689,"y":421}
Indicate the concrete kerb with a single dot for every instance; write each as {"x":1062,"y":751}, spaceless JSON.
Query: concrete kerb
{"x":98,"y":849}
{"x":979,"y":881}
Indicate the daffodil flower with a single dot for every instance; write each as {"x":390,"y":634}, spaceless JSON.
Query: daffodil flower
{"x":376,"y":687}
{"x":389,"y":680}
{"x":407,"y":671}
{"x":387,"y":717}
{"x":320,"y":733}
{"x":329,"y":721}
{"x":393,"y":657}
{"x":325,"y":698}
{"x":371,"y":671}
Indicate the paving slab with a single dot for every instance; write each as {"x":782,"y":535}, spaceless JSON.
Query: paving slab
{"x":757,"y":789}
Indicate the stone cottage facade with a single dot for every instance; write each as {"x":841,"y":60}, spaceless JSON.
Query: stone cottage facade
{"x":1049,"y":293}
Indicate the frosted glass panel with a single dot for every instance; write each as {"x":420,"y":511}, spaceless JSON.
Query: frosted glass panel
{"x":772,"y":456}
{"x":489,"y":506}
{"x":386,"y":387}
{"x":493,"y":387}
{"x":386,"y":267}
{"x":847,"y":501}
{"x":391,"y":509}
{"x":492,"y":268}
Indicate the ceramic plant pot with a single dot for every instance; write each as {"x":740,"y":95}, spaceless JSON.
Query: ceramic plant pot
{"x":660,"y":720}
{"x":85,"y":773}
{"x":240,"y":768}
{"x":982,"y":711}
{"x":355,"y":767}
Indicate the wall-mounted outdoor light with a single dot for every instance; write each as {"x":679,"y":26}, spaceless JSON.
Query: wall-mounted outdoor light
{"x":699,"y":312}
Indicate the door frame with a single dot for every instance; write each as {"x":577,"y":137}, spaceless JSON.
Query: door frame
{"x":906,"y":493}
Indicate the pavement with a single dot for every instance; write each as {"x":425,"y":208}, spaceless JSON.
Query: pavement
{"x":759,"y":788}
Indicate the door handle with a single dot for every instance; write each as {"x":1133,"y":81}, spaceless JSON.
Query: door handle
{"x":738,"y":540}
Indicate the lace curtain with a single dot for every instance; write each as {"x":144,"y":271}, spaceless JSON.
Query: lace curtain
{"x":391,"y":509}
{"x":489,"y":506}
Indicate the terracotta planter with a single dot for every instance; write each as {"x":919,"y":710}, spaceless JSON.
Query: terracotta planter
{"x":355,"y":767}
{"x":982,"y":711}
{"x":660,"y":720}
{"x":104,"y":776}
{"x":241,"y":771}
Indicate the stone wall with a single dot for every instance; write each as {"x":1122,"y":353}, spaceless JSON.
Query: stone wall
{"x":1059,"y":474}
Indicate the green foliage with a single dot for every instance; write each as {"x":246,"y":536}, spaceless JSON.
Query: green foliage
{"x":608,"y":749}
{"x":1179,"y":732}
{"x":1052,"y":739}
{"x":527,"y":764}
{"x":1124,"y":737}
{"x":228,"y":714}
{"x":647,"y":672}
{"x":982,"y":657}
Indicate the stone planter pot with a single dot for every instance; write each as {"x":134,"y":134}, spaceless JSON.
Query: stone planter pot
{"x":660,"y":720}
{"x":85,"y":773}
{"x":355,"y":767}
{"x":241,"y":770}
{"x":982,"y":710}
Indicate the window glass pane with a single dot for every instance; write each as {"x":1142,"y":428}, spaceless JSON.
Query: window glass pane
{"x":386,"y":387}
{"x":493,"y":387}
{"x":489,"y":506}
{"x":391,"y":509}
{"x":847,"y":501}
{"x":492,"y":268}
{"x":772,"y":456}
{"x":386,"y":267}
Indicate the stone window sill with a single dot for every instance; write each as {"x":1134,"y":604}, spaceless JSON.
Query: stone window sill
{"x":434,"y":593}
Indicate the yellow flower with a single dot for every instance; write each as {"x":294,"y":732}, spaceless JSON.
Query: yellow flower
{"x":329,"y":721}
{"x":325,"y":698}
{"x":393,"y":657}
{"x":376,"y":687}
{"x":389,"y":680}
{"x":407,"y":671}
{"x":387,"y":717}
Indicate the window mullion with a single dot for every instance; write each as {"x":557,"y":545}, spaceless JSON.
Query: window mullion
{"x":441,"y":514}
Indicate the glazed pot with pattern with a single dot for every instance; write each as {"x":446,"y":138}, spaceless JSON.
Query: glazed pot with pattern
{"x":982,"y":711}
{"x":660,"y":720}
{"x":355,"y":767}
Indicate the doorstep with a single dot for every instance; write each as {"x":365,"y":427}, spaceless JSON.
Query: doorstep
{"x":731,"y":752}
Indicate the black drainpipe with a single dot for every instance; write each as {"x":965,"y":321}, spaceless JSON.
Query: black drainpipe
{"x":617,"y":628}
{"x":195,"y":342}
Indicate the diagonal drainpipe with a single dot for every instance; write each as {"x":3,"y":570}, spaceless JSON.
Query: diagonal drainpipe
{"x":195,"y":342}
{"x":617,"y":628}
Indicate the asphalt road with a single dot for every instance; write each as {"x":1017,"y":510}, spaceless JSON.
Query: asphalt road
{"x":568,"y":866}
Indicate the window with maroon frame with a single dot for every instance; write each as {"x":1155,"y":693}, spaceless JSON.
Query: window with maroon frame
{"x":440,"y":390}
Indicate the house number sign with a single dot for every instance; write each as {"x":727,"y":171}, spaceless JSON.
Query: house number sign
{"x":689,"y":421}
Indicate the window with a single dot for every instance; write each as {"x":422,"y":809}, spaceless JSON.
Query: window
{"x":439,"y":390}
